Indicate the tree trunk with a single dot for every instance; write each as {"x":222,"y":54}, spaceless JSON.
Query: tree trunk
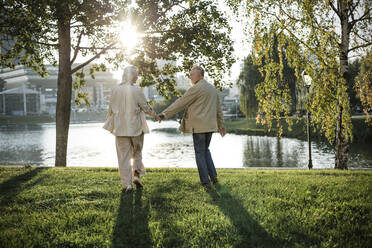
{"x":64,"y":89}
{"x":342,"y":143}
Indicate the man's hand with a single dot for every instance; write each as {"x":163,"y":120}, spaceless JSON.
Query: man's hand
{"x":222,"y":131}
{"x":160,"y":117}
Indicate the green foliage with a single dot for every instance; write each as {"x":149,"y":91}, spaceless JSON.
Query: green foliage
{"x":273,"y":93}
{"x":309,"y":34}
{"x":197,"y":33}
{"x":85,"y":207}
{"x":190,"y":32}
{"x":80,"y":83}
{"x":363,"y":84}
{"x":354,"y":69}
{"x":21,"y":35}
{"x":248,"y":79}
{"x":253,"y":77}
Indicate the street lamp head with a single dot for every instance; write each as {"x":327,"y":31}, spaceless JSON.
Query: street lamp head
{"x":307,"y":79}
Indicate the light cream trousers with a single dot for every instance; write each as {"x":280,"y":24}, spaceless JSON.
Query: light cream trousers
{"x":128,"y":148}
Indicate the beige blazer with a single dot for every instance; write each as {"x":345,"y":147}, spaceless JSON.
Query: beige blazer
{"x":125,"y":115}
{"x":203,"y":110}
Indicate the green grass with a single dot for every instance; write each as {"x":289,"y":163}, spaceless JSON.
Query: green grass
{"x":362,"y":132}
{"x":85,"y":207}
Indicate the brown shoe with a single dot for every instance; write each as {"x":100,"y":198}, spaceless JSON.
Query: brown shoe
{"x":137,"y":182}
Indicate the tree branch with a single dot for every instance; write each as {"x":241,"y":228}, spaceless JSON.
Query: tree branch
{"x":162,"y":31}
{"x":363,"y":17}
{"x":352,"y":19}
{"x":288,"y":15}
{"x":99,"y":48}
{"x":360,"y":46}
{"x":351,"y":11}
{"x":335,"y":9}
{"x":302,"y":42}
{"x":293,"y":35}
{"x":316,"y":27}
{"x":172,"y":5}
{"x":77,"y":26}
{"x":93,"y":58}
{"x":76,"y":51}
{"x":46,"y":44}
{"x":360,"y":37}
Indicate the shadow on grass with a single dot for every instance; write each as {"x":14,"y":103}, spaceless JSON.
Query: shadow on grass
{"x":13,"y":186}
{"x":252,"y":234}
{"x":201,"y":226}
{"x":131,"y":228}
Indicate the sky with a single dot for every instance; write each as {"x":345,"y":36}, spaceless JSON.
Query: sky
{"x":241,"y":36}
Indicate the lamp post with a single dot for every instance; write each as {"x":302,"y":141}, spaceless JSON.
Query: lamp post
{"x":307,"y":80}
{"x":236,"y":108}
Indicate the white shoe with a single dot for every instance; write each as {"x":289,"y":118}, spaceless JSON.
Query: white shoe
{"x":137,"y":182}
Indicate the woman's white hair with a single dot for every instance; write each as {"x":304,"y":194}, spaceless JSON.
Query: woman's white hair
{"x":199,"y":68}
{"x":129,"y":75}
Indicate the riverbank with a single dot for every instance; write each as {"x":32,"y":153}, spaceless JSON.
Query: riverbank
{"x":29,"y":119}
{"x":75,"y":117}
{"x":362,"y":132}
{"x":85,"y":207}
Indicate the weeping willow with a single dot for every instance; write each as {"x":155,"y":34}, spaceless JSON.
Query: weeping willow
{"x":316,"y":38}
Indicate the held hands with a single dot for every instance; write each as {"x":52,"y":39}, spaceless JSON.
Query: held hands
{"x":159,"y":117}
{"x":222,"y":131}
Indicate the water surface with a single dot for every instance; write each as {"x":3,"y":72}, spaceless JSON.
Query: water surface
{"x":90,"y":145}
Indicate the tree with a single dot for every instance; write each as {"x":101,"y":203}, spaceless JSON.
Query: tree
{"x":354,"y":68}
{"x":248,"y":79}
{"x":363,"y":83}
{"x":251,"y":78}
{"x":321,"y":36}
{"x":33,"y":32}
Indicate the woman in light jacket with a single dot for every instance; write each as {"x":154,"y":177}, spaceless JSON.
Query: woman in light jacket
{"x":126,"y":120}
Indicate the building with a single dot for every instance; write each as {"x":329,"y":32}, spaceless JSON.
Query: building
{"x":23,"y":91}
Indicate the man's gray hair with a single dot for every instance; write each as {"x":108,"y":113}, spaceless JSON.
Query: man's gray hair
{"x":129,"y":74}
{"x":200,"y":69}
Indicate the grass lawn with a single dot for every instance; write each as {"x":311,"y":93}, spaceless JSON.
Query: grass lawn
{"x":85,"y":207}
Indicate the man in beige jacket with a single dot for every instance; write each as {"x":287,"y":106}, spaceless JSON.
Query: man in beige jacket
{"x":126,"y":120}
{"x":202,"y":117}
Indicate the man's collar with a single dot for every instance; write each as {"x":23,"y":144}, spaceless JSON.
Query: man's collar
{"x":199,"y":81}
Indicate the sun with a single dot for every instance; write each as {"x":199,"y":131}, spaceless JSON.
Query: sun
{"x":128,"y":35}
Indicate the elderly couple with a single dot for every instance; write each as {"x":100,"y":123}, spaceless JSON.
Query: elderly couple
{"x":126,"y":120}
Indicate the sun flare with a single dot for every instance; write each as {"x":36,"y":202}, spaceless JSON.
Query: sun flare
{"x":129,"y":37}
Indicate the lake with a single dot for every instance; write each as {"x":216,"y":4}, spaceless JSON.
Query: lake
{"x":90,"y":145}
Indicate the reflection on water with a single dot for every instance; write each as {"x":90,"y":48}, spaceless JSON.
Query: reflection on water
{"x":21,"y":144}
{"x":284,"y":152}
{"x":90,"y":145}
